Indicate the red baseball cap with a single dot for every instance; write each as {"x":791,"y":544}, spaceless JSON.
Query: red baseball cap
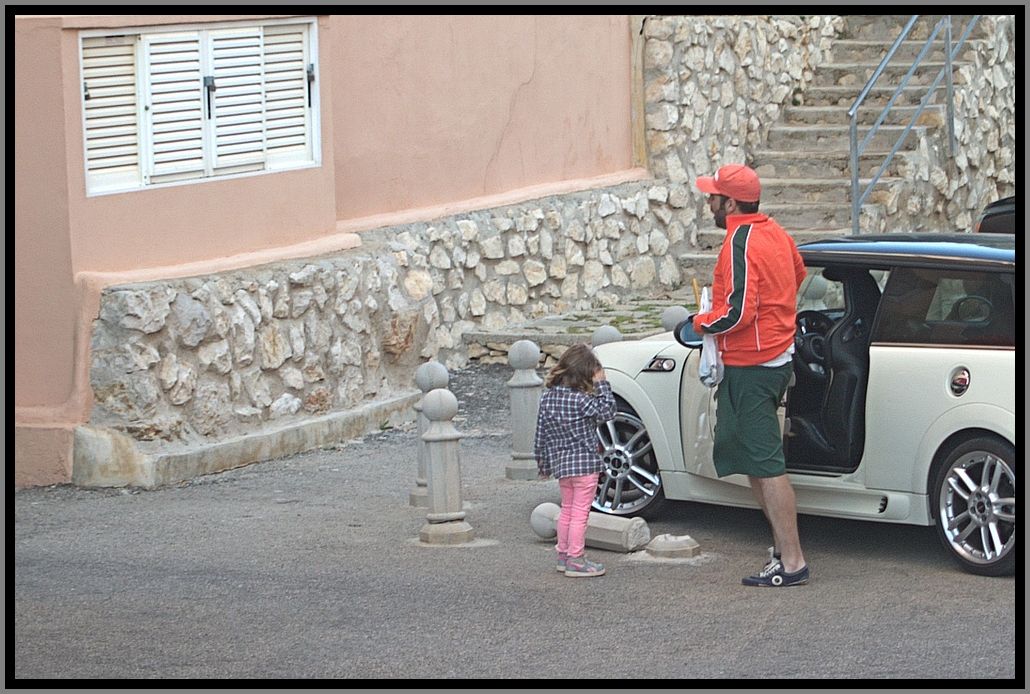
{"x":735,"y":181}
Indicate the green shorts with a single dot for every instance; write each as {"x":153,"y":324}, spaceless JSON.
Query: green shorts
{"x":748,"y":437}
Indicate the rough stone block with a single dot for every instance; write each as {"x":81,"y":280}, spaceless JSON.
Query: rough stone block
{"x":673,"y":547}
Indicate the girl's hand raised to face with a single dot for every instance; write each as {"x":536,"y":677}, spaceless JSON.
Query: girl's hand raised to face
{"x":599,"y":375}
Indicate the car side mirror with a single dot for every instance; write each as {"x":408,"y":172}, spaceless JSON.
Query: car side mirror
{"x":686,"y":335}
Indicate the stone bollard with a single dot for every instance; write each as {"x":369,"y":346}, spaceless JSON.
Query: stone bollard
{"x":445,"y":522}
{"x":614,"y":533}
{"x":673,"y":316}
{"x":604,"y":334}
{"x":525,"y":387}
{"x":429,"y":376}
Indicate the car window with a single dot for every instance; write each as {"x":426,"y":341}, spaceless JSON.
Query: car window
{"x":820,"y":294}
{"x":947,"y":307}
{"x":817,"y":293}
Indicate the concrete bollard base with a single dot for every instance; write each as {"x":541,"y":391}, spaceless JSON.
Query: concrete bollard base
{"x":673,"y":547}
{"x":452,"y":533}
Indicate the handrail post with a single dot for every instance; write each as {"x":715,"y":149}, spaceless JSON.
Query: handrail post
{"x":951,"y":87}
{"x":855,"y":207}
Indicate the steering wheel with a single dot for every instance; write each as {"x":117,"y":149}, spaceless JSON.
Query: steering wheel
{"x":810,"y":341}
{"x":971,"y":309}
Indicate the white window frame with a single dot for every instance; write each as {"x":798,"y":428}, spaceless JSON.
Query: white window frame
{"x":138,"y":179}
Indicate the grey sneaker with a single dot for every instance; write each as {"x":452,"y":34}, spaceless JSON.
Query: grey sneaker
{"x":581,"y":566}
{"x":562,"y":558}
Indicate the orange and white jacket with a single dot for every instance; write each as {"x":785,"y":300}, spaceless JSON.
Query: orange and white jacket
{"x":757,"y":277}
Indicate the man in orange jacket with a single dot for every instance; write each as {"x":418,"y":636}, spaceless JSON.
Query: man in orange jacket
{"x":757,"y":276}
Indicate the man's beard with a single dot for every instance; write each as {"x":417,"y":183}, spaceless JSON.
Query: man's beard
{"x":720,"y":218}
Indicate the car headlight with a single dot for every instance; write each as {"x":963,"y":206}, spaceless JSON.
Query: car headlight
{"x":661,"y":364}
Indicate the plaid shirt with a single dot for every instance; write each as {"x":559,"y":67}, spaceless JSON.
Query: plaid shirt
{"x":566,"y":430}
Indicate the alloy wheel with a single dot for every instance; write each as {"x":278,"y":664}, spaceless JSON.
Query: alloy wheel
{"x":630,"y":481}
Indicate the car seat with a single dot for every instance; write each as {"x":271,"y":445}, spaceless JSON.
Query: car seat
{"x":834,"y":436}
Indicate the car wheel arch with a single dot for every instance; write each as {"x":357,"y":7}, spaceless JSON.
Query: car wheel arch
{"x":631,"y":393}
{"x":963,"y":422}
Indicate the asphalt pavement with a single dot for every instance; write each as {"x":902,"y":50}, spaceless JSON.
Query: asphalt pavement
{"x":309,"y":567}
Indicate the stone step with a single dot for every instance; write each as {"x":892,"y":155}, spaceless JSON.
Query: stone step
{"x":857,"y":74}
{"x":837,"y":137}
{"x":822,"y":164}
{"x":873,"y":27}
{"x":838,"y":115}
{"x":863,"y":51}
{"x":822,"y":216}
{"x":878,"y":96}
{"x":699,"y":264}
{"x":829,"y":190}
{"x":711,"y":239}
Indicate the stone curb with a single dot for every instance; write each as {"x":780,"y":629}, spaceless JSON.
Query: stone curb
{"x":108,"y":458}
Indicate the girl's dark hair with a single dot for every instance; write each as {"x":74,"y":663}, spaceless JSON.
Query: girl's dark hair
{"x":575,"y":369}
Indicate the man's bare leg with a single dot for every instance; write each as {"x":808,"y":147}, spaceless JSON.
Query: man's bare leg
{"x":756,"y":491}
{"x":780,"y":505}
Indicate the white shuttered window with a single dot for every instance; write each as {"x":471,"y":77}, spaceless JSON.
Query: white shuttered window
{"x":167,"y":106}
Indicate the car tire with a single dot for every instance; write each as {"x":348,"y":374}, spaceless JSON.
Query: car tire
{"x":630,"y":484}
{"x":973,"y":500}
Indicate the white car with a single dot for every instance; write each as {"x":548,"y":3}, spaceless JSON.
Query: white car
{"x":902,"y":408}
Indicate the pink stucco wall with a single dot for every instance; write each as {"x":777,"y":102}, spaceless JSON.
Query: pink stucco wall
{"x":44,"y":283}
{"x":434,"y":109}
{"x":419,"y":114}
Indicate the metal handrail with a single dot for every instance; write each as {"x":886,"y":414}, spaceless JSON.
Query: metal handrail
{"x":857,"y":198}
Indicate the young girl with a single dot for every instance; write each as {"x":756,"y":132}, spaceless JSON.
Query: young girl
{"x":578,"y":399}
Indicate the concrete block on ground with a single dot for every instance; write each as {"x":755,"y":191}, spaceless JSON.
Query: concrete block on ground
{"x":673,"y":547}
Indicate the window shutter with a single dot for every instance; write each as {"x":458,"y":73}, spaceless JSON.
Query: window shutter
{"x":238,"y":110}
{"x":163,"y":106}
{"x":287,"y":112}
{"x":174,"y":118}
{"x":110,"y":113}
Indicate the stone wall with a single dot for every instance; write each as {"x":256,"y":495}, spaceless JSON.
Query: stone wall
{"x":196,"y":359}
{"x":947,"y":193}
{"x":715,"y":85}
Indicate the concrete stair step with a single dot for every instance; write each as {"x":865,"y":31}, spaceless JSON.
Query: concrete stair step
{"x":795,"y":163}
{"x":878,"y":96}
{"x":821,"y":216}
{"x":874,"y":27}
{"x":838,"y":115}
{"x":711,"y":240}
{"x":864,"y":51}
{"x":816,"y":190}
{"x":830,"y":137}
{"x":699,"y":264}
{"x":857,"y":74}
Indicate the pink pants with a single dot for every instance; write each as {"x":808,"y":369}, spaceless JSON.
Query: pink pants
{"x":577,"y":493}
